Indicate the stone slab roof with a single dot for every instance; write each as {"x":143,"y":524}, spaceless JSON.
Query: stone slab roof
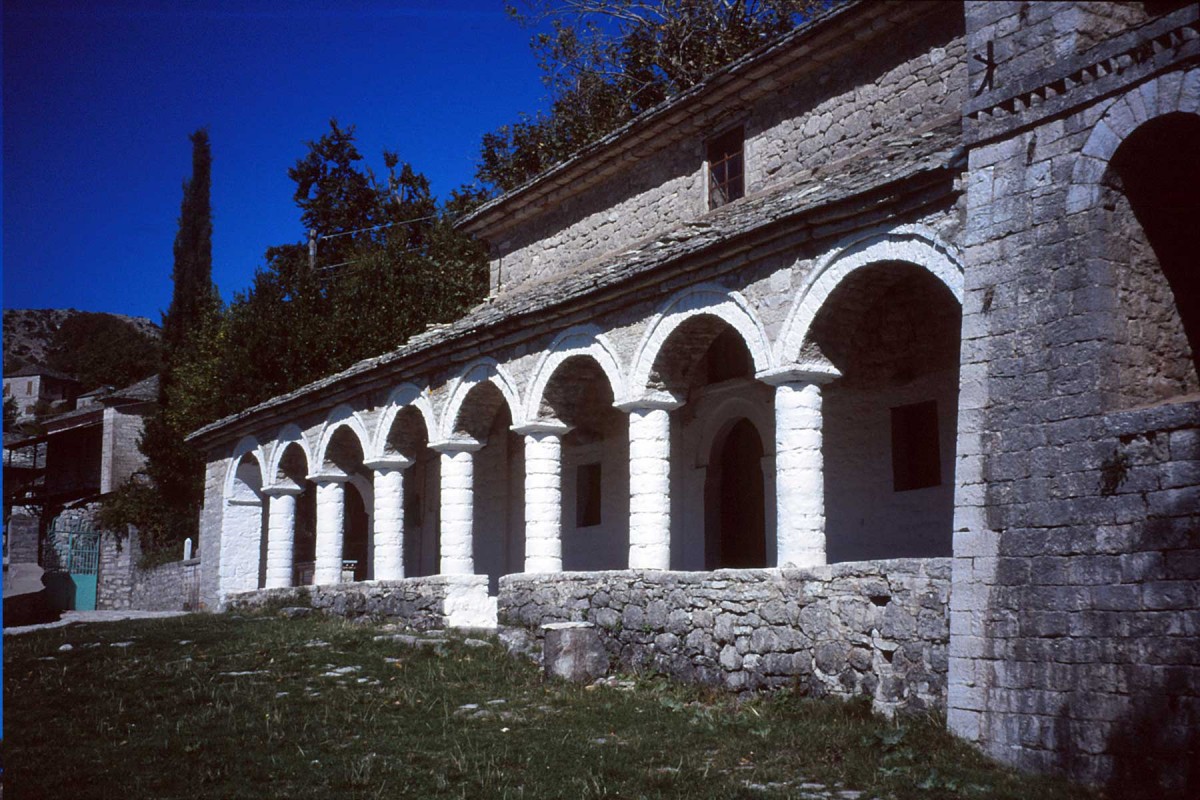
{"x":144,"y":391}
{"x":931,"y":153}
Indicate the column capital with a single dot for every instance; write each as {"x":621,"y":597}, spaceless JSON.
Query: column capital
{"x":460,"y":445}
{"x":542,"y":428}
{"x":328,"y":477}
{"x":666,"y":401}
{"x":281,"y":489}
{"x":395,"y":462}
{"x":814,"y":372}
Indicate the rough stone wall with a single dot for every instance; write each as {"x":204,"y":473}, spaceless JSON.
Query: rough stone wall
{"x":426,"y":603}
{"x":1075,"y":600}
{"x":878,"y":629}
{"x":114,"y":585}
{"x":1028,"y":36}
{"x":854,"y":103}
{"x":210,"y":529}
{"x":123,"y":584}
{"x":21,"y":530}
{"x":120,"y":455}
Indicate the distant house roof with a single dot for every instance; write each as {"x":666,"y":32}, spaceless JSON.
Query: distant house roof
{"x":33,"y":371}
{"x":144,"y":391}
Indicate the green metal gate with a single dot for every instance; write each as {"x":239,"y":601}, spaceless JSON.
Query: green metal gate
{"x":71,"y":559}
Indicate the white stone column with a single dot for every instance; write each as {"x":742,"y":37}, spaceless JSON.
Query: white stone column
{"x":650,"y":481}
{"x":331,"y":530}
{"x":457,"y":505}
{"x":388,"y":517}
{"x":281,"y":534}
{"x":799,"y":464}
{"x":543,"y":495}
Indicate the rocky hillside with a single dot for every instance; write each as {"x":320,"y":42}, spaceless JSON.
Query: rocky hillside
{"x":29,"y":333}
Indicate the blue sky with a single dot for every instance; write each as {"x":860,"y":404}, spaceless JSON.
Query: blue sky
{"x":99,"y":99}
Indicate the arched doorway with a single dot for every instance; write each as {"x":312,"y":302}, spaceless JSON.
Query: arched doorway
{"x":735,"y":500}
{"x":498,"y":480}
{"x":706,"y":362}
{"x":356,"y":547}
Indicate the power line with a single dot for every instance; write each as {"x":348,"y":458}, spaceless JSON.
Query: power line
{"x":377,"y":227}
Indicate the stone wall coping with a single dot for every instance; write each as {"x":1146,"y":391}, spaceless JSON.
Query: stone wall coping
{"x":934,"y":568}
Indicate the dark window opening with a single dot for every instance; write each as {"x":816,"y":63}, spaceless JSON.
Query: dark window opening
{"x":916,"y":462}
{"x":587,"y":495}
{"x":726,"y":168}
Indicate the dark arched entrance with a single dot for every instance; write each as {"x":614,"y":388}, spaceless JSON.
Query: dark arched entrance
{"x":355,"y":546}
{"x":735,"y":500}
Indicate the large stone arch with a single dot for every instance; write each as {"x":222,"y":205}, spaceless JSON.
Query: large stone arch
{"x":343,"y":416}
{"x":289,"y":435}
{"x":586,"y":341}
{"x":913,"y":244}
{"x":236,"y":482}
{"x":406,"y":395}
{"x":705,"y":300}
{"x":484,"y":370}
{"x":1166,"y":94}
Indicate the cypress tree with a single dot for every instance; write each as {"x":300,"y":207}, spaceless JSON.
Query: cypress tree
{"x":166,"y":509}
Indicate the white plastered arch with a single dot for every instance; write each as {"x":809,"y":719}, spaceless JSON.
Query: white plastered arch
{"x":911,"y":244}
{"x":704,"y":300}
{"x":247,"y":445}
{"x":584,"y":340}
{"x":1167,"y":94}
{"x":341,"y":417}
{"x":289,"y":435}
{"x":403,"y":396}
{"x":484,"y":370}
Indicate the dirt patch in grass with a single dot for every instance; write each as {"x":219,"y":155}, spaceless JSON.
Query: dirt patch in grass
{"x":225,"y":707}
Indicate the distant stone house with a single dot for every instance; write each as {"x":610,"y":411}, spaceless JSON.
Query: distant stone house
{"x":32,"y":385}
{"x":867,"y":365}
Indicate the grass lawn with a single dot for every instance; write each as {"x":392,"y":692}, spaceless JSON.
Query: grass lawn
{"x":213,"y":706}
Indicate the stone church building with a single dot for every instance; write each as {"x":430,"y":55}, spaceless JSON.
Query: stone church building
{"x":867,"y":366}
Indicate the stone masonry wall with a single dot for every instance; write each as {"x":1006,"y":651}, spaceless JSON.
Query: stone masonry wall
{"x":433,"y":602}
{"x":1076,"y":597}
{"x":122,"y":584}
{"x":870,"y":98}
{"x":878,"y":629}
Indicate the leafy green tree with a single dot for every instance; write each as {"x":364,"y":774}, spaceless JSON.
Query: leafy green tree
{"x":606,"y":61}
{"x":388,"y":262}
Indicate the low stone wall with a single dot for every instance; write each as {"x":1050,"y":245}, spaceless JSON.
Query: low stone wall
{"x":874,"y":628}
{"x":433,"y":602}
{"x":122,"y":584}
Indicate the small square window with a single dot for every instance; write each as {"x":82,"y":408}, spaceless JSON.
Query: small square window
{"x":726,"y":168}
{"x":587,"y":495}
{"x":916,"y":451}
